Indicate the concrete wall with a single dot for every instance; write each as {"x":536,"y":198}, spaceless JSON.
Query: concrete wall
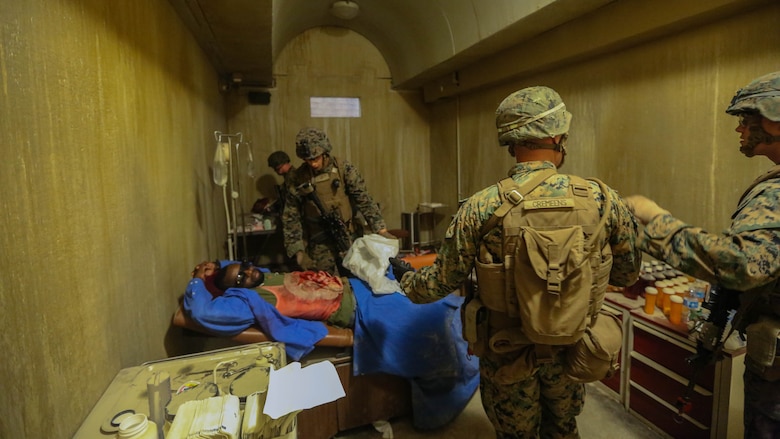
{"x":648,"y":120}
{"x":107,"y":118}
{"x":106,"y":122}
{"x":388,"y":143}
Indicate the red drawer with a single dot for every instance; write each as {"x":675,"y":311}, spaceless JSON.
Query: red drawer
{"x":671,"y":356}
{"x":663,"y":418}
{"x":669,"y":390}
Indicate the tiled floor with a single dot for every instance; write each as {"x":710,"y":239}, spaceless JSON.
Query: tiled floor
{"x":600,"y":410}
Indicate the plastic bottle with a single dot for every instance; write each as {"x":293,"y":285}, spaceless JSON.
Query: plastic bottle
{"x":675,"y":312}
{"x":692,"y":304}
{"x":137,"y":426}
{"x":666,"y":306}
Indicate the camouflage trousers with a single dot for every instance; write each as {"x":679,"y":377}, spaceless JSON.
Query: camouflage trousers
{"x":324,"y":258}
{"x":543,"y":405}
{"x":762,"y":407}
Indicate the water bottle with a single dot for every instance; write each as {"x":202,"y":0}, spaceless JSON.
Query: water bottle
{"x":692,"y":304}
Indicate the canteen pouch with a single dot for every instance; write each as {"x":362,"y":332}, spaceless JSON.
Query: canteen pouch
{"x":491,"y":279}
{"x":595,"y":356}
{"x":474,"y":316}
{"x":761,"y":356}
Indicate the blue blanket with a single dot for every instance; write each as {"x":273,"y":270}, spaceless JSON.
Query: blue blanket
{"x":421,"y":342}
{"x":392,"y":335}
{"x":240,"y":308}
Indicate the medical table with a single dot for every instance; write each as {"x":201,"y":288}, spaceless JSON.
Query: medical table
{"x":235,"y":372}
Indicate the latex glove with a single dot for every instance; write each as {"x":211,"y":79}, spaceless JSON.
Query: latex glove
{"x":304,"y":261}
{"x":643,"y":208}
{"x":400,"y":267}
{"x":385,"y":234}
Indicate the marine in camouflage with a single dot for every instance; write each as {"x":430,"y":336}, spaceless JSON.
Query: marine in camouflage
{"x":745,"y":257}
{"x":297,"y":236}
{"x":515,"y":409}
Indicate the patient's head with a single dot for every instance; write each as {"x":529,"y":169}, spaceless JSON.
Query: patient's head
{"x":243,"y":275}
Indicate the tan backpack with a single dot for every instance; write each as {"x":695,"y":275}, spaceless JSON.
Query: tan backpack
{"x":553,"y":276}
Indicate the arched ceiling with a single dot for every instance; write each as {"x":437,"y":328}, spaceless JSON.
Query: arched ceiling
{"x":430,"y":45}
{"x":420,"y":39}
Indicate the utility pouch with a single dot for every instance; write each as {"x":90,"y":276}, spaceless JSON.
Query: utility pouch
{"x":761,"y":357}
{"x":491,"y":279}
{"x":595,"y":356}
{"x":474,"y":316}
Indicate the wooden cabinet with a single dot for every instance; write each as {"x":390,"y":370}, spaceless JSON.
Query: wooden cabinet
{"x":655,"y":373}
{"x":369,"y":398}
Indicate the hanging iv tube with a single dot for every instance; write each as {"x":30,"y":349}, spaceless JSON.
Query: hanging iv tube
{"x":228,"y":174}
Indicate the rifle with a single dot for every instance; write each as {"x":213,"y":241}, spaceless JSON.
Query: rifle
{"x":710,"y":339}
{"x":330,"y":220}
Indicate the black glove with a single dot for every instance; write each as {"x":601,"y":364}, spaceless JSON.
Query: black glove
{"x":400,"y":267}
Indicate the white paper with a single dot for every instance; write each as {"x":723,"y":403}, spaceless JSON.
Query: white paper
{"x":294,"y":388}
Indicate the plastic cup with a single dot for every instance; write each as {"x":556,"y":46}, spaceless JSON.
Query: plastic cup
{"x":651,"y":296}
{"x":675,"y":309}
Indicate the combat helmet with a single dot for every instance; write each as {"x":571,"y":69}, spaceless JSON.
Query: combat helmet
{"x":761,"y":96}
{"x":278,"y":158}
{"x":311,"y":143}
{"x":531,"y":113}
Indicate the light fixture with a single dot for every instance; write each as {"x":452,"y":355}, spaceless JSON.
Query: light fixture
{"x":345,"y":9}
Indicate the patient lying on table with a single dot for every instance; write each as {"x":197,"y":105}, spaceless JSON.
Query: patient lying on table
{"x":304,"y":295}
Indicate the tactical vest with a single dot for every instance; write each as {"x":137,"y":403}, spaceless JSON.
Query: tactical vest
{"x":332,"y":196}
{"x":550,"y":284}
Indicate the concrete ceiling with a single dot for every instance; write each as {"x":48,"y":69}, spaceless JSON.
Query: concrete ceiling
{"x":420,"y":39}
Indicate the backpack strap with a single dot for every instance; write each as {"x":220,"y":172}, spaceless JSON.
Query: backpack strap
{"x":604,"y":214}
{"x":513,"y":194}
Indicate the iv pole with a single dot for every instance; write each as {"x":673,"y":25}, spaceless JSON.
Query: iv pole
{"x":223,"y":173}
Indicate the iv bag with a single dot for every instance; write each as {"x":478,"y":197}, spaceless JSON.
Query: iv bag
{"x":221,"y":164}
{"x":250,"y":166}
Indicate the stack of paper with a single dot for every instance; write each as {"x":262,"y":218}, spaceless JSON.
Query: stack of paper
{"x":218,"y":417}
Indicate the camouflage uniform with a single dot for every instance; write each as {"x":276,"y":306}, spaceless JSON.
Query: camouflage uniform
{"x":546,"y":403}
{"x":300,"y":235}
{"x":745,"y":257}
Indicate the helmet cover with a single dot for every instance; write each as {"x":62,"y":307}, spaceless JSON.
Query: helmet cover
{"x":311,"y":143}
{"x":531,"y":113}
{"x":761,"y":96}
